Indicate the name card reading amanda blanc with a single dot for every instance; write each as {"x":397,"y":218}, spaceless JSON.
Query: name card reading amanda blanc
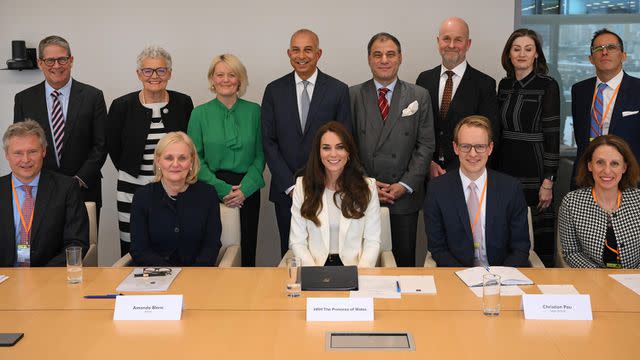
{"x":557,"y":307}
{"x":339,"y":309}
{"x":148,"y":307}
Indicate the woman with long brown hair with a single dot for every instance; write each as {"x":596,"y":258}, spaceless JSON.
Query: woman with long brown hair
{"x":335,"y":217}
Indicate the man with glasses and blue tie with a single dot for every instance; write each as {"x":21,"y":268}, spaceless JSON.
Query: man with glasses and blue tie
{"x":476,"y":216}
{"x":72,"y":115}
{"x":607,"y":103}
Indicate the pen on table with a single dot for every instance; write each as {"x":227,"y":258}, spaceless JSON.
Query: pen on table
{"x":397,"y":286}
{"x":107,"y":296}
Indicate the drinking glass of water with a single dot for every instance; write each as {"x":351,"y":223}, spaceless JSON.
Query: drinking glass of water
{"x":293,"y":277}
{"x":491,"y":294}
{"x":74,"y":264}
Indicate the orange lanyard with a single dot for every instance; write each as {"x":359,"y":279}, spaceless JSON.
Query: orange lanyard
{"x":475,"y":221}
{"x":595,"y":198}
{"x":604,"y":115}
{"x":27,"y":228}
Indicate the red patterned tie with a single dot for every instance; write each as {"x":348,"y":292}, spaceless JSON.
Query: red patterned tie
{"x":57,"y":121}
{"x":446,"y":95}
{"x":27,"y":213}
{"x":383,"y":104}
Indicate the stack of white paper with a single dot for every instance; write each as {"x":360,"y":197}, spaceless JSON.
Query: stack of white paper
{"x":391,"y":287}
{"x":632,"y":281}
{"x":508,"y":275}
{"x":153,"y":283}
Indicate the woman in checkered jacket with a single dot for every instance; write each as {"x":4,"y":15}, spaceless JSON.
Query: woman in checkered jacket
{"x":599,"y":224}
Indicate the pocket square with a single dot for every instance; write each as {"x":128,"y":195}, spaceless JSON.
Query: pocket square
{"x":629,"y":113}
{"x":411,"y":109}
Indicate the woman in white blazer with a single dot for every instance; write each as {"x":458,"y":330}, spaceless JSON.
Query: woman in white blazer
{"x":335,"y":217}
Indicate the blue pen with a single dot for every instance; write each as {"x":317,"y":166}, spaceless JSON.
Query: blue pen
{"x":107,"y":296}
{"x":397,"y":286}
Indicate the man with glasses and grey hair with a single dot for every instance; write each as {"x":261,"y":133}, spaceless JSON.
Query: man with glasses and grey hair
{"x":72,"y":115}
{"x":476,"y":216}
{"x":40,"y":211}
{"x":607,"y":103}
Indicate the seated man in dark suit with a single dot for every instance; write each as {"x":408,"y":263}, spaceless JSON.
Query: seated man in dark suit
{"x":607,"y":103}
{"x":476,"y":216}
{"x":41,"y":211}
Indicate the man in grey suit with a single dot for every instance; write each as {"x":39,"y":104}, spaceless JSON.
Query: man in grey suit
{"x":393,"y":126}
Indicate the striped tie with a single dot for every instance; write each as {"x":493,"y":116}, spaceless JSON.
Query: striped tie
{"x":596,"y":113}
{"x":57,"y":121}
{"x":383,"y":104}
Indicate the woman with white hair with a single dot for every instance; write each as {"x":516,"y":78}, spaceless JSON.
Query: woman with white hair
{"x":136,"y":122}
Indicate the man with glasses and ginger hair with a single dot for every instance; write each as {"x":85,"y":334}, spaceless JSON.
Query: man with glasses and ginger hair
{"x":72,"y":115}
{"x":476,"y":216}
{"x":607,"y":103}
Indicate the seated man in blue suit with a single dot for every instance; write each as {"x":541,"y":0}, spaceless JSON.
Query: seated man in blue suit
{"x":476,"y":216}
{"x":40,"y":211}
{"x":607,"y":103}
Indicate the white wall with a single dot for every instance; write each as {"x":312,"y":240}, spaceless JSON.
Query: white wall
{"x":106,"y":37}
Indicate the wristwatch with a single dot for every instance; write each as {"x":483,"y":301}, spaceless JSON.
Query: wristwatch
{"x":550,"y":177}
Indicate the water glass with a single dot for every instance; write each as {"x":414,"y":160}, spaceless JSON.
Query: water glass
{"x":491,"y":294}
{"x":74,"y":265}
{"x":293,"y":278}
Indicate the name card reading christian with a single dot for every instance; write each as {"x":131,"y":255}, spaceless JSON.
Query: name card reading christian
{"x":557,"y":307}
{"x":148,"y":307}
{"x":339,"y":309}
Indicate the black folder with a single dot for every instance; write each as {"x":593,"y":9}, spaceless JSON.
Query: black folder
{"x":329,"y":278}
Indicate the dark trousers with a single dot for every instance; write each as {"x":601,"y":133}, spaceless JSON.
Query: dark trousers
{"x":403,"y":238}
{"x":124,"y":247}
{"x":249,"y":216}
{"x":283,"y":216}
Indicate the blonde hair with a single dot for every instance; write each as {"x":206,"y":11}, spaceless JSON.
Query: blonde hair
{"x":172,"y":138}
{"x":236,"y":66}
{"x":477,"y":121}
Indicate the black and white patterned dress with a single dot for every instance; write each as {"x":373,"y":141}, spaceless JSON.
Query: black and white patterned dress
{"x":127,"y":184}
{"x":529,"y":146}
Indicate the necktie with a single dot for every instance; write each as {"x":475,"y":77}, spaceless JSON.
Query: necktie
{"x":383,"y":104}
{"x":304,"y":105}
{"x":27,"y":213}
{"x":57,"y":121}
{"x":473,"y":205}
{"x":446,"y":95}
{"x":596,"y":113}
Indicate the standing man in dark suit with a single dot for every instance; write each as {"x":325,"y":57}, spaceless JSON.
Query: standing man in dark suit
{"x":457,"y":90}
{"x":40,"y":211}
{"x":608,"y":103}
{"x":72,"y":115}
{"x":393,"y":126}
{"x":293,"y":108}
{"x":476,"y":216}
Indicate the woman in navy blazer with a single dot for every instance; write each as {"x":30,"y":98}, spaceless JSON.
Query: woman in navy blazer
{"x":175,"y":221}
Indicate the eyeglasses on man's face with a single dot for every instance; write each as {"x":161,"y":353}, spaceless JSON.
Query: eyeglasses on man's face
{"x":480,"y":148}
{"x":64,"y":60}
{"x":148,"y":72}
{"x":611,"y":48}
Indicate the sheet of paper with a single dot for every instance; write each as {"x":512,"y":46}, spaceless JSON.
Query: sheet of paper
{"x":504,"y":291}
{"x":632,"y":281}
{"x":381,"y":287}
{"x":558,"y":289}
{"x":417,"y":284}
{"x":154,"y":283}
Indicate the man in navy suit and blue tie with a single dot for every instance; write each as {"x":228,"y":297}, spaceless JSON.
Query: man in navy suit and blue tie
{"x":607,"y":103}
{"x":293,"y":108}
{"x":476,"y":216}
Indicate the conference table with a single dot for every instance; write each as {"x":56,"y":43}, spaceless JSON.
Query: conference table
{"x":244,"y":313}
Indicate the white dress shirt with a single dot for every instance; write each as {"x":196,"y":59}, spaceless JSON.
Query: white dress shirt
{"x":300,"y":88}
{"x":457,"y":78}
{"x":607,"y":95}
{"x":482,"y":261}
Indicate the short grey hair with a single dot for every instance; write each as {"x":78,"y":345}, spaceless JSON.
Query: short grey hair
{"x":53,"y":40}
{"x":21,"y":129}
{"x":154,"y":52}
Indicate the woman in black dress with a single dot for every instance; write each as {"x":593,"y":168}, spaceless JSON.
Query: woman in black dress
{"x":529,"y":109}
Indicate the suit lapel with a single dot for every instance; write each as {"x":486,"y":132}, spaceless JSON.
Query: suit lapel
{"x":370,"y":99}
{"x":395,"y":111}
{"x":70,"y":121}
{"x":463,"y":213}
{"x":319,"y":90}
{"x":292,"y":96}
{"x":586,"y":110}
{"x":616,"y":113}
{"x":344,"y":228}
{"x":42,"y":117}
{"x":492,"y":204}
{"x":6,"y":209}
{"x":324,"y":224}
{"x":46,"y":189}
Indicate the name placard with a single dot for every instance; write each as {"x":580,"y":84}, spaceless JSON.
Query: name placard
{"x":148,"y":307}
{"x":339,"y":309}
{"x":557,"y":307}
